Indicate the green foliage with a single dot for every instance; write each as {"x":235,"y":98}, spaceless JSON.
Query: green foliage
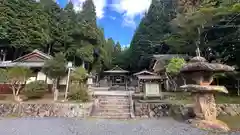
{"x":174,"y":65}
{"x":78,"y":93}
{"x":150,"y":34}
{"x":86,"y":53}
{"x":122,"y":59}
{"x":35,"y":89}
{"x":214,"y":24}
{"x":18,"y":75}
{"x":26,"y":25}
{"x":55,"y":67}
{"x":79,"y":74}
{"x":88,"y":14}
{"x":3,"y":75}
{"x":109,"y":50}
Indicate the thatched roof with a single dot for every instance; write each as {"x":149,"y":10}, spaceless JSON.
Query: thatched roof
{"x":160,"y":61}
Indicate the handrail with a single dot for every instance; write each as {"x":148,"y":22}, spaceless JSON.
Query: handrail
{"x":131,"y":105}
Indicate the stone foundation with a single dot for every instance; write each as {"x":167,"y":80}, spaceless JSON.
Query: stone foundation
{"x":157,"y":110}
{"x":45,"y":110}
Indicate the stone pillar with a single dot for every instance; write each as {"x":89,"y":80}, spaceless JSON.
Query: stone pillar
{"x":205,"y":106}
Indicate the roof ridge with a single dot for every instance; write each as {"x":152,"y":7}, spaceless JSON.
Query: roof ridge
{"x":117,"y":67}
{"x":34,"y":51}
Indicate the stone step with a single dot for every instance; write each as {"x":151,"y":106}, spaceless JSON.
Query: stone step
{"x":113,"y":106}
{"x":114,"y":98}
{"x":113,"y":103}
{"x":121,"y":100}
{"x":114,"y":110}
{"x":111,"y":117}
{"x":110,"y":114}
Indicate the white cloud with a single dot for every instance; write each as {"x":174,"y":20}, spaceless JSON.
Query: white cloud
{"x":130,"y":9}
{"x":99,"y":4}
{"x":113,"y":17}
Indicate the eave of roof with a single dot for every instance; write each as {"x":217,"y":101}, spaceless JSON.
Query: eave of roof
{"x":46,"y":56}
{"x":149,"y":77}
{"x":144,"y":71}
{"x":21,"y":64}
{"x":116,"y":69}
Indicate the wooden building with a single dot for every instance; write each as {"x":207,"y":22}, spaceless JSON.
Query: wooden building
{"x":35,"y":61}
{"x":158,"y":65}
{"x":117,"y":77}
{"x":149,"y":84}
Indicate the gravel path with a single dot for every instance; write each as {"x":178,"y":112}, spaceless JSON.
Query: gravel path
{"x":64,"y":126}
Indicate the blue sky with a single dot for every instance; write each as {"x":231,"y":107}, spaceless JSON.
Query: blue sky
{"x":119,"y":18}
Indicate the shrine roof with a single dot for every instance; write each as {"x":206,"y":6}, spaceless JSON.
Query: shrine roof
{"x":34,"y":59}
{"x":144,"y":72}
{"x":35,"y":55}
{"x":149,"y":77}
{"x":116,"y":69}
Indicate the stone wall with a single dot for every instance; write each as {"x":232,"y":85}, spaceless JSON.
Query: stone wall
{"x":156,"y":110}
{"x":45,"y":110}
{"x":228,"y":109}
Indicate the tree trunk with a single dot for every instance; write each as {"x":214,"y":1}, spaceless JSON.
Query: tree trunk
{"x":15,"y":92}
{"x":238,"y":87}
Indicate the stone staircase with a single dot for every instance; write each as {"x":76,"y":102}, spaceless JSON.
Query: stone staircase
{"x":112,"y":107}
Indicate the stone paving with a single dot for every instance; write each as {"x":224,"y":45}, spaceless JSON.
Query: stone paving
{"x":67,"y":126}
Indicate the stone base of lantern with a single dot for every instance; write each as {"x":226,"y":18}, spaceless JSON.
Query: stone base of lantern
{"x":214,"y":125}
{"x":206,"y":113}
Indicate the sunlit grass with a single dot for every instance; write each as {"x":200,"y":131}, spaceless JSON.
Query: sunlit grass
{"x":186,"y":98}
{"x":232,"y":121}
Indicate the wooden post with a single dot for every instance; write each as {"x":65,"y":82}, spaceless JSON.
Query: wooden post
{"x":125,"y":82}
{"x":238,"y":86}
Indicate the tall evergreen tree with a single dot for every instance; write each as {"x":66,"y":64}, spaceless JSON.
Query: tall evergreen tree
{"x":149,"y":36}
{"x":109,"y":50}
{"x":26,"y":25}
{"x":29,"y":24}
{"x":55,"y":29}
{"x":88,"y":13}
{"x":117,"y":48}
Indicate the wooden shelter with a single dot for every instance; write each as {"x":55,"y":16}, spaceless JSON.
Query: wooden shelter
{"x":158,"y":66}
{"x":35,"y":61}
{"x":149,"y":83}
{"x":117,"y":76}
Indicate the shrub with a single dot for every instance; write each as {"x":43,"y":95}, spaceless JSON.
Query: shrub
{"x":78,"y":93}
{"x":35,"y":89}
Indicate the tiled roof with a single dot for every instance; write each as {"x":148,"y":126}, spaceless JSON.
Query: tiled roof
{"x":40,"y":53}
{"x":149,"y":77}
{"x":24,"y":64}
{"x":144,"y":72}
{"x":116,"y":69}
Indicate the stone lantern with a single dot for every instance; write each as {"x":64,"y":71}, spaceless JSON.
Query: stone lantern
{"x":204,"y":108}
